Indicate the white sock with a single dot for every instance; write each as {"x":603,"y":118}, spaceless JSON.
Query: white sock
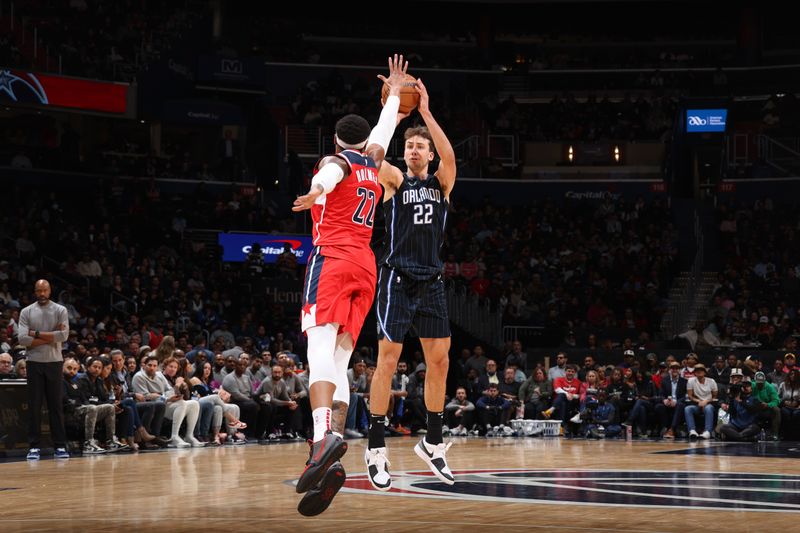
{"x":322,"y":422}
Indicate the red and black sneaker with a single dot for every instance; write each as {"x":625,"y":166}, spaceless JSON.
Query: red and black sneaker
{"x":320,"y":497}
{"x":320,"y":458}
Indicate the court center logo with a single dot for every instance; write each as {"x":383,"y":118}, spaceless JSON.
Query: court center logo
{"x":628,"y":488}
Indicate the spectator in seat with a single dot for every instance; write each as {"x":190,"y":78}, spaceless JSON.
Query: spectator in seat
{"x":588,"y":364}
{"x":21,"y":369}
{"x":286,"y":413}
{"x":154,"y":386}
{"x":536,"y":393}
{"x":256,"y":414}
{"x":768,"y":403}
{"x":777,"y":375}
{"x":489,"y":376}
{"x":643,"y":409}
{"x":459,"y":414}
{"x":701,"y":394}
{"x":188,"y":410}
{"x":415,"y":400}
{"x":509,"y":389}
{"x":7,"y":366}
{"x":789,"y":394}
{"x":558,"y":371}
{"x":492,"y":409}
{"x":93,"y":406}
{"x":567,"y":394}
{"x":476,"y":361}
{"x":517,"y":356}
{"x":397,"y":399}
{"x":670,"y":406}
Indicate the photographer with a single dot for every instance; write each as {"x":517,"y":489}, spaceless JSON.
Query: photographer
{"x":726,"y":397}
{"x":744,"y":408}
{"x":602,"y":419}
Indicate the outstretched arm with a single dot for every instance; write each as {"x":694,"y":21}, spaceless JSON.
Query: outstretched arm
{"x":332,"y":170}
{"x":447,"y":164}
{"x":382,"y":133}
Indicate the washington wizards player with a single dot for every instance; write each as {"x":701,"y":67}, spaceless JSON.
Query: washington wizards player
{"x":340,"y":281}
{"x":411,"y":290}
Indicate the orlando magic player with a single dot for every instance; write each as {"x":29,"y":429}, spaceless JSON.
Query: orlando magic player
{"x":411,"y":289}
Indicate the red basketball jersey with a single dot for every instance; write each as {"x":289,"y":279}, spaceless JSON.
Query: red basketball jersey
{"x":343,"y":218}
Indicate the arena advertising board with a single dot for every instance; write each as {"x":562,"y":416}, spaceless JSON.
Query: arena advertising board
{"x":706,"y":120}
{"x":21,"y":87}
{"x":236,"y":246}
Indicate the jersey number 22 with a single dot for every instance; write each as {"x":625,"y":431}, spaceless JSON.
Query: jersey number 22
{"x":365,"y":212}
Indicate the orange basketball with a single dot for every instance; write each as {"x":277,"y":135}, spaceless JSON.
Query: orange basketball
{"x":409,"y":97}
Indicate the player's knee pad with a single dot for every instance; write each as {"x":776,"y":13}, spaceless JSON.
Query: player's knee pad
{"x":321,"y":350}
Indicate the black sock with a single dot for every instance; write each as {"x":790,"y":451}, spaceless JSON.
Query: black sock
{"x":377,"y":427}
{"x":434,"y":435}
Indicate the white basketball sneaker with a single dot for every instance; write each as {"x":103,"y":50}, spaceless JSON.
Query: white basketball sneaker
{"x":378,"y":468}
{"x":434,"y":455}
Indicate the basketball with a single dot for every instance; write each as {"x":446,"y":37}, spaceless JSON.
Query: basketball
{"x":409,"y":97}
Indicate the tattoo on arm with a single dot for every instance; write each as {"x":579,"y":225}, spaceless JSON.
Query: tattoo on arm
{"x":338,"y":416}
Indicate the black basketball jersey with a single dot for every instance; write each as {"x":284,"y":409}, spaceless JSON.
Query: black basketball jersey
{"x":415,"y":219}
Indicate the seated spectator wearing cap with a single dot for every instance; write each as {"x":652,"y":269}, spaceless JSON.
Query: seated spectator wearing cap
{"x":7,"y":366}
{"x":768,"y":402}
{"x":492,"y":409}
{"x":701,"y":393}
{"x":670,"y":403}
{"x":628,"y":359}
{"x":789,"y":394}
{"x":743,"y":424}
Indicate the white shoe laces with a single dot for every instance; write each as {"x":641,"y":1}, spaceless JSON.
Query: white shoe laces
{"x":380,"y":459}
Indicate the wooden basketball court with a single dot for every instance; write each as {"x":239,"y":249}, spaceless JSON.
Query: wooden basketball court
{"x":514,"y":483}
